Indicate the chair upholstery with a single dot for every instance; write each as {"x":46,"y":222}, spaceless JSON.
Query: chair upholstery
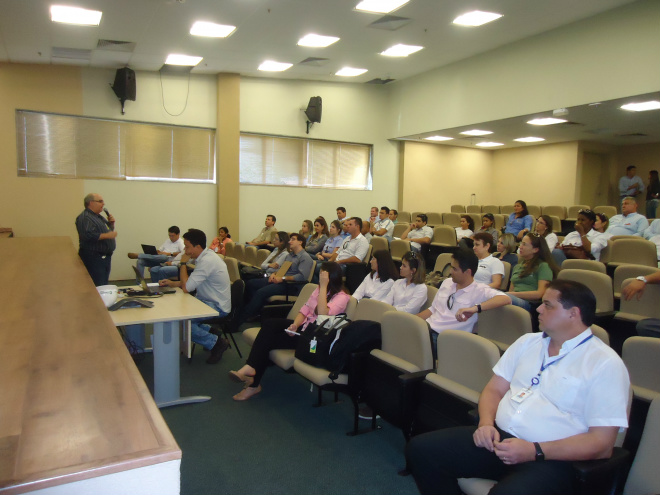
{"x":636,"y":251}
{"x":379,"y":244}
{"x":638,"y":309}
{"x":558,"y":211}
{"x":398,"y":249}
{"x":452,"y":219}
{"x":601,"y":333}
{"x":592,"y":265}
{"x":444,"y":235}
{"x":494,"y":209}
{"x":574,"y":210}
{"x":534,"y":210}
{"x":400,"y":228}
{"x":404,"y":216}
{"x":599,"y":283}
{"x":229,"y":249}
{"x":642,"y":358}
{"x":232,"y":269}
{"x":239,"y":252}
{"x":262,"y":255}
{"x":370,"y":309}
{"x":625,"y":271}
{"x":506,"y":209}
{"x":500,"y":221}
{"x":473,"y":209}
{"x":250,"y":255}
{"x":290,"y":298}
{"x":476,"y":218}
{"x":556,"y":223}
{"x":406,"y":338}
{"x":610,"y":211}
{"x":414,"y":214}
{"x":434,"y":218}
{"x":457,"y":208}
{"x":504,"y":325}
{"x":506,"y":278}
{"x":441,"y":261}
{"x":430,"y":296}
{"x":644,"y":476}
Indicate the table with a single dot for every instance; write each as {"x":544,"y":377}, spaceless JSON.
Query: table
{"x":75,"y":415}
{"x":166,"y":314}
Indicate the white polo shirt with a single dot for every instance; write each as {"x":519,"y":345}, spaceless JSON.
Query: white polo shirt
{"x":488,"y":267}
{"x":420,"y":233}
{"x":385,"y":224}
{"x":357,"y":247}
{"x":407,"y":298}
{"x":597,"y":239}
{"x":373,"y":288}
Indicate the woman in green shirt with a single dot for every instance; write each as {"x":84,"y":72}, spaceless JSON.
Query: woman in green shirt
{"x":532,"y":275}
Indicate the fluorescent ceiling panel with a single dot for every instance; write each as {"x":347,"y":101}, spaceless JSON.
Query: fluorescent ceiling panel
{"x":546,"y":121}
{"x":438,"y":138}
{"x":350,"y":72}
{"x":642,"y":107}
{"x":401,"y":50}
{"x":476,"y":132}
{"x":178,"y":59}
{"x":272,"y":66}
{"x":75,"y":15}
{"x":380,"y":6}
{"x":317,"y":41}
{"x":476,"y":18}
{"x":211,"y":30}
{"x":529,"y":139}
{"x":489,"y":144}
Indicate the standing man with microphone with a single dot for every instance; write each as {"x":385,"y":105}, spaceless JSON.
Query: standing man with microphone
{"x":96,"y":238}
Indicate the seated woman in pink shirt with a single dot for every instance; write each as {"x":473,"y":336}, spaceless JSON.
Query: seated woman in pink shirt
{"x":330,"y":298}
{"x":218,"y":244}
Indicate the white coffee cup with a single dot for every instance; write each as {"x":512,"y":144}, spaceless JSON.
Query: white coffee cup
{"x":109,"y":294}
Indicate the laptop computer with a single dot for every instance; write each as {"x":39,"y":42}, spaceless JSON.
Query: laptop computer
{"x":149,"y":249}
{"x":151,"y":291}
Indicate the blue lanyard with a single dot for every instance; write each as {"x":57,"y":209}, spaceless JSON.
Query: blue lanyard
{"x":536,"y":381}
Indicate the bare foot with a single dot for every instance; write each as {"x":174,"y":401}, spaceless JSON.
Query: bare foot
{"x":247,"y":393}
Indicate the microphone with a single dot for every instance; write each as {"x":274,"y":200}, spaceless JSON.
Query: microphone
{"x":107,"y":213}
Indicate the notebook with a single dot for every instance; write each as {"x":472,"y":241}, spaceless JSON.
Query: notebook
{"x":148,"y":249}
{"x":151,"y":291}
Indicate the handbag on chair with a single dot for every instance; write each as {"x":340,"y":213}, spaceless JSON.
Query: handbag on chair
{"x":316,"y":340}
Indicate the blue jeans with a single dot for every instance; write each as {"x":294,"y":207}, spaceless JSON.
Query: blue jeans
{"x":651,"y":207}
{"x":559,"y":256}
{"x":159,"y":273}
{"x":521,"y":303}
{"x":260,"y":290}
{"x":200,"y":331}
{"x":145,"y":260}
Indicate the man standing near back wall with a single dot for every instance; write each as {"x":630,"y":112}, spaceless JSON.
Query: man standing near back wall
{"x":96,"y":237}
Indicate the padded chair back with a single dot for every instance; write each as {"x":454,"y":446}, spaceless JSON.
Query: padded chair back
{"x":599,"y":283}
{"x":239,"y":252}
{"x":500,"y":221}
{"x":473,"y":209}
{"x":379,"y":244}
{"x":406,"y":337}
{"x":400,"y":228}
{"x":232,"y":269}
{"x":593,"y":265}
{"x":644,"y":476}
{"x":558,"y":211}
{"x":441,"y":261}
{"x":506,"y":209}
{"x":641,"y":356}
{"x":229,"y":249}
{"x":476,"y":218}
{"x":262,"y":255}
{"x":452,"y":219}
{"x":506,"y":278}
{"x":434,"y":218}
{"x":556,"y":223}
{"x":351,"y":307}
{"x":430,"y":296}
{"x":404,"y":216}
{"x":465,"y":363}
{"x":601,"y":333}
{"x":251,"y":255}
{"x":302,"y":299}
{"x":367,"y":257}
{"x":624,"y":272}
{"x":636,"y":251}
{"x":610,"y":211}
{"x":638,"y":309}
{"x":444,"y":235}
{"x":457,"y":208}
{"x":574,"y":210}
{"x":504,"y":325}
{"x":534,"y":210}
{"x":618,"y":237}
{"x":399,"y":248}
{"x":370,"y":309}
{"x":414,"y":214}
{"x":494,"y":209}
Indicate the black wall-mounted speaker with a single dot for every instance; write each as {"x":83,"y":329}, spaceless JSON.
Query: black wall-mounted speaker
{"x":314,"y":109}
{"x":124,"y":86}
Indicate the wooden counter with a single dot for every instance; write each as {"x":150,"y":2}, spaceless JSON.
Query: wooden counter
{"x":73,"y":406}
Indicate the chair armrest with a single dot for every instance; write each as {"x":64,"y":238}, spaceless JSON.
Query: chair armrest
{"x":276,"y":310}
{"x":602,"y":476}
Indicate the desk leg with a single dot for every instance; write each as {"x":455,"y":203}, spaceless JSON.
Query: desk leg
{"x":166,"y":367}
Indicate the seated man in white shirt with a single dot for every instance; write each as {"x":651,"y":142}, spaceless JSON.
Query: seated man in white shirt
{"x":383,"y":227}
{"x":584,"y":242}
{"x":555,"y":397}
{"x":629,"y":222}
{"x":167,"y":252}
{"x":418,"y":233}
{"x":354,"y":248}
{"x":459,"y":299}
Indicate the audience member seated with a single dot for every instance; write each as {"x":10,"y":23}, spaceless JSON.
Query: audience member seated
{"x":531,"y":277}
{"x":649,"y":327}
{"x":572,"y":391}
{"x":506,"y":250}
{"x":520,"y":221}
{"x":408,"y":294}
{"x":258,"y":290}
{"x":490,"y":270}
{"x":355,"y":248}
{"x":466,"y":230}
{"x":169,"y":269}
{"x":278,"y":256}
{"x":218,"y":244}
{"x":330,"y":298}
{"x":544,"y":229}
{"x":418,"y":233}
{"x":379,"y":282}
{"x":317,"y":240}
{"x":652,"y":233}
{"x":488,"y":226}
{"x":211,"y":281}
{"x":341,"y":214}
{"x":383,"y":227}
{"x":366,"y":230}
{"x":459,"y":299}
{"x":344,"y":229}
{"x":652,"y":194}
{"x":266,"y":235}
{"x":333,"y":243}
{"x":394,"y":216}
{"x":583,"y":243}
{"x":306,"y":229}
{"x":601,"y":224}
{"x":629,"y":222}
{"x":373,"y":218}
{"x":167,"y":252}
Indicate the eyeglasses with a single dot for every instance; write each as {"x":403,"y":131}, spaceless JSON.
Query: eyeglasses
{"x":98,"y":201}
{"x":450,"y":301}
{"x":413,"y":254}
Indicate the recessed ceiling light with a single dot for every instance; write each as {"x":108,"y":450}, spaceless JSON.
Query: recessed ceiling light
{"x":316,"y":40}
{"x":489,"y":144}
{"x":350,"y":72}
{"x":476,"y":132}
{"x":177,"y":59}
{"x":75,"y":15}
{"x":546,"y":121}
{"x":401,"y":50}
{"x":380,"y":6}
{"x":211,"y":30}
{"x":438,"y":138}
{"x":529,"y":139}
{"x":272,"y":66}
{"x":642,"y":107}
{"x":476,"y":18}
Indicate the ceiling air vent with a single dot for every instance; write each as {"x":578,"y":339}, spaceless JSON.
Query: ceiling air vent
{"x":390,"y":22}
{"x":116,"y":46}
{"x":378,"y":80}
{"x":314,"y":61}
{"x":71,"y":53}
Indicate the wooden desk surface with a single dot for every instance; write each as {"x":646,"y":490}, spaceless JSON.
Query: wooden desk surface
{"x":73,"y":405}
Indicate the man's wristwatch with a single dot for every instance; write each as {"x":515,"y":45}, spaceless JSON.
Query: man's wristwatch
{"x":540,"y":456}
{"x":642,"y":278}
